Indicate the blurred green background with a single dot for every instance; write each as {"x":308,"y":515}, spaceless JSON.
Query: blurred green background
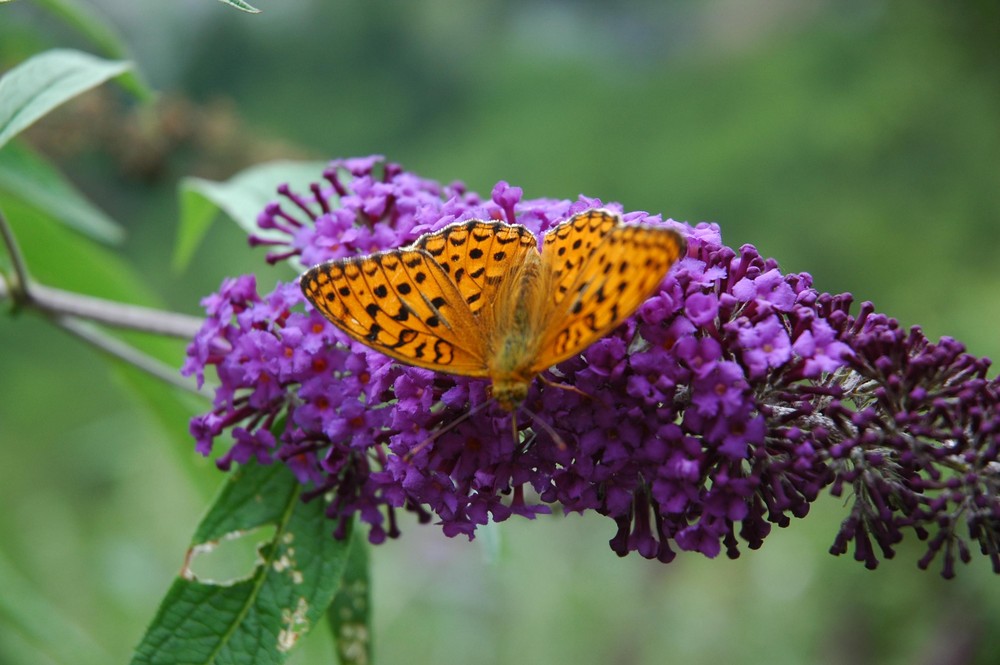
{"x":856,"y":140}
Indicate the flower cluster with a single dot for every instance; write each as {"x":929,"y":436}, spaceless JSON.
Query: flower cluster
{"x":726,"y":404}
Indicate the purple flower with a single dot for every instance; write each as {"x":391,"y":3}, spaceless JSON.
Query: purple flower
{"x":821,"y":349}
{"x":701,"y":308}
{"x":765,"y":344}
{"x":727,"y":404}
{"x":721,"y":390}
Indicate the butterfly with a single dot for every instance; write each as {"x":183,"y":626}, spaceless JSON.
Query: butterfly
{"x":478,"y":299}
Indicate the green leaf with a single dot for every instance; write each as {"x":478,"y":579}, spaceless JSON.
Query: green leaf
{"x":28,"y":176}
{"x":172,"y":410}
{"x":85,"y":19}
{"x":61,"y":258}
{"x":239,"y":4}
{"x":45,"y":81}
{"x":258,"y":618}
{"x":31,"y":620}
{"x":242,"y":197}
{"x":350,"y":614}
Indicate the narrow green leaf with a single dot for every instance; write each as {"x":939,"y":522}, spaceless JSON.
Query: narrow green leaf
{"x":259,"y":618}
{"x":32,"y":620}
{"x":239,"y":4}
{"x":45,"y":81}
{"x":85,"y":19}
{"x":197,"y":213}
{"x":172,"y":410}
{"x":242,"y":197}
{"x":62,"y":258}
{"x":28,"y":176}
{"x":350,"y":614}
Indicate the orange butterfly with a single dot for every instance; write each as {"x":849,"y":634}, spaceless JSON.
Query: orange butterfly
{"x":478,"y":299}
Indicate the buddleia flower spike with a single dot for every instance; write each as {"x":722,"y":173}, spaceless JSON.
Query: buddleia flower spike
{"x":713,"y":395}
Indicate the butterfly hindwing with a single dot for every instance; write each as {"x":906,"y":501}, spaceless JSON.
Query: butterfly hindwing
{"x":403,"y":304}
{"x":478,"y":256}
{"x":616,"y":275}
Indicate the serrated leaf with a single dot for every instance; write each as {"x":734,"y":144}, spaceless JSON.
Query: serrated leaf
{"x":350,"y":614}
{"x":239,"y":4}
{"x":86,"y":20}
{"x":27,"y":175}
{"x":260,"y":618}
{"x":45,"y":81}
{"x":242,"y":198}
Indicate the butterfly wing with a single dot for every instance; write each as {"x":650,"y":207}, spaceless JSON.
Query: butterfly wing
{"x":402,"y":303}
{"x":478,"y":256}
{"x":614,"y":270}
{"x":566,"y":248}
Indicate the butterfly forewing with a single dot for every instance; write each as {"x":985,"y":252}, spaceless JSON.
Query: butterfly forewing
{"x":478,"y":256}
{"x":403,"y":304}
{"x":612,"y":279}
{"x":567,"y":246}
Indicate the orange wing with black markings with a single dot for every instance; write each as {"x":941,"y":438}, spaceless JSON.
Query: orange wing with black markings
{"x":478,"y":256}
{"x":403,"y":303}
{"x":567,"y":247}
{"x":476,"y":299}
{"x":603,"y":270}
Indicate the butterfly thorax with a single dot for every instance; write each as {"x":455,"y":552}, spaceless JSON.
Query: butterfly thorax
{"x":513,"y":345}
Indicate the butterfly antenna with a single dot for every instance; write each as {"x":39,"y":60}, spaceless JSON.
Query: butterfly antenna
{"x":560,"y":443}
{"x":447,"y":428}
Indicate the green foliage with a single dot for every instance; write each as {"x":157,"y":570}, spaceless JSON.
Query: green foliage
{"x":37,"y":86}
{"x":350,"y":615}
{"x":263,"y":615}
{"x":244,"y":6}
{"x":242,"y":198}
{"x":858,"y":143}
{"x":87,"y":21}
{"x":29,"y":176}
{"x":34,"y":620}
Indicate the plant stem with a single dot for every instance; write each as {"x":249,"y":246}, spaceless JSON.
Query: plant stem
{"x":74,"y":313}
{"x":119,"y":349}
{"x":59,"y":303}
{"x":14,"y":288}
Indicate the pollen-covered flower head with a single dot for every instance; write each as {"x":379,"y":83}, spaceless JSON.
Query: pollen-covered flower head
{"x":731,"y":398}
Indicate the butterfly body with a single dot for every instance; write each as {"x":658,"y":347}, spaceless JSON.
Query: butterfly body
{"x":516,"y":332}
{"x":478,"y":299}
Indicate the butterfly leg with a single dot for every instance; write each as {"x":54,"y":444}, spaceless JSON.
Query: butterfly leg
{"x":560,"y":443}
{"x":413,"y":452}
{"x":513,"y":428}
{"x":563,"y":386}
